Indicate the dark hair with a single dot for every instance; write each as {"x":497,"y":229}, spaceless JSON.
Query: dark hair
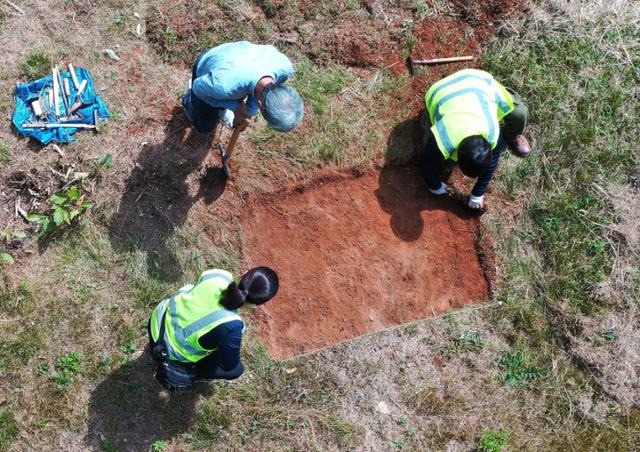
{"x":474,"y":155}
{"x":257,"y":286}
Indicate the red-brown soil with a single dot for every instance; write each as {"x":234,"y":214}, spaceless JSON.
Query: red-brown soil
{"x":360,"y":254}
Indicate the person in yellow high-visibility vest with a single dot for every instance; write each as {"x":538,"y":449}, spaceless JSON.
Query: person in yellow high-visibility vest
{"x":471,"y":117}
{"x":196,"y":333}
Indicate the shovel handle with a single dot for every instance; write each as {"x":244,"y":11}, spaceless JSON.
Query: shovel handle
{"x":234,"y":138}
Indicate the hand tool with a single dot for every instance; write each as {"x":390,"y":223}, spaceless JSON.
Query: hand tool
{"x":74,"y":78}
{"x":225,"y":154}
{"x":51,"y":125}
{"x":61,"y":91}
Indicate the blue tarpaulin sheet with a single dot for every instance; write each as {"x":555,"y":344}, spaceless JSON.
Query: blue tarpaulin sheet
{"x":28,"y":92}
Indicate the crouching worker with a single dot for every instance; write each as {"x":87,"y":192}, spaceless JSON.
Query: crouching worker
{"x":196,"y":333}
{"x":471,"y":118}
{"x":232,"y":81}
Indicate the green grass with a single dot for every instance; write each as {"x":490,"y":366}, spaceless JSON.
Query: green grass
{"x":9,"y":429}
{"x":493,"y":441}
{"x":516,"y":368}
{"x":5,"y":152}
{"x":35,"y":65}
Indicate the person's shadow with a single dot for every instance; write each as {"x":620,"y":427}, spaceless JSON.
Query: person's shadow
{"x":402,"y":191}
{"x":166,"y":181}
{"x":130,"y":410}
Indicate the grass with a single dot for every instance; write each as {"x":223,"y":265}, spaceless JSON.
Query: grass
{"x":35,"y":65}
{"x":493,"y":441}
{"x":8,"y":429}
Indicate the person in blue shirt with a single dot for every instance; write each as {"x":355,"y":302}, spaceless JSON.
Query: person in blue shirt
{"x":232,"y":81}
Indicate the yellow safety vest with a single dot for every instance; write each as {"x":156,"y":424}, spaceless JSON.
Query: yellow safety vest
{"x":192,"y":312}
{"x":466,"y":103}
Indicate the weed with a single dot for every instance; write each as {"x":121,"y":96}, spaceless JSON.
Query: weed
{"x":493,"y":441}
{"x":128,"y":348}
{"x":109,"y":446}
{"x":467,"y":341}
{"x":9,"y":429}
{"x":36,"y":64}
{"x":6,"y":259}
{"x":66,"y":367}
{"x":158,"y":445}
{"x":343,"y":430}
{"x":65,"y":207}
{"x":517,"y":371}
{"x":69,"y":363}
{"x":5,"y":152}
{"x":410,"y":329}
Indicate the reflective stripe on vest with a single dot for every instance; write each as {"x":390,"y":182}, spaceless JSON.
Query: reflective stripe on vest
{"x":182,"y":341}
{"x":468,"y":102}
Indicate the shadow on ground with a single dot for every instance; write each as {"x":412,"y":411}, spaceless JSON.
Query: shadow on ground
{"x":402,"y":192}
{"x":129,"y":410}
{"x":158,"y":196}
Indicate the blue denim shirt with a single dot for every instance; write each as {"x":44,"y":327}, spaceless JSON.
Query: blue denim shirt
{"x":229,"y":72}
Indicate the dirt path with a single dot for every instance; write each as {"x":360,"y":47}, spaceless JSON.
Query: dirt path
{"x":358,"y":255}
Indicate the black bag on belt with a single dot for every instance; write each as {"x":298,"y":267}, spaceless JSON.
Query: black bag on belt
{"x":172,"y":375}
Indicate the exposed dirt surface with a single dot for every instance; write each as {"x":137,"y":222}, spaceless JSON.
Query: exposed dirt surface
{"x":358,"y":255}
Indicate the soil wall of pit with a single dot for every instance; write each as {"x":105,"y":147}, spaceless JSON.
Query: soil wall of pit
{"x":360,"y":254}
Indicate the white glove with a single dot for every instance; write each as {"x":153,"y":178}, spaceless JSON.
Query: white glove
{"x":476,"y":202}
{"x":226,"y":117}
{"x":440,"y":191}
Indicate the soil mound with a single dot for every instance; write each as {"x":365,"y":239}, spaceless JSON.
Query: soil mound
{"x":360,"y":254}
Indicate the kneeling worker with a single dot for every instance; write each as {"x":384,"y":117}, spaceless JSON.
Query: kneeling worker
{"x":465,"y":111}
{"x":196,"y":333}
{"x":227,"y":75}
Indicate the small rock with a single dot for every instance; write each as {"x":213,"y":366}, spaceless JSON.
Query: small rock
{"x":290,"y":370}
{"x":136,"y":15}
{"x":111,"y":54}
{"x":383,"y":408}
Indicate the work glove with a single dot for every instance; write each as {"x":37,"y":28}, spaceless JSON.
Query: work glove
{"x":226,"y":117}
{"x":476,"y":202}
{"x":440,"y":191}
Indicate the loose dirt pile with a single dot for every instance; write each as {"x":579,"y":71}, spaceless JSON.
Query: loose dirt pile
{"x":360,"y":254}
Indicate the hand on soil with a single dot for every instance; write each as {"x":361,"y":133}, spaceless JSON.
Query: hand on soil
{"x":240,"y":114}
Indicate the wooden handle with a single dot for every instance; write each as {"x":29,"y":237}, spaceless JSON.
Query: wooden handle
{"x":74,"y":79}
{"x":443,"y":60}
{"x":234,"y":137}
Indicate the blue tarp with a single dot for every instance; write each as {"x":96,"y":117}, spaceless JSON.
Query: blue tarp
{"x":27,"y":92}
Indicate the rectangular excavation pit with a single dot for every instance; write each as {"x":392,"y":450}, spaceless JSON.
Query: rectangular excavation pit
{"x":360,"y":254}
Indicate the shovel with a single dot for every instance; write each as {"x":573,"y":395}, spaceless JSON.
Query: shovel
{"x":225,"y":154}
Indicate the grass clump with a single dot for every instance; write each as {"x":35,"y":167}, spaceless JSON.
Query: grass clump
{"x":67,"y":366}
{"x":36,"y":65}
{"x":516,"y":369}
{"x":493,"y":441}
{"x":8,"y":429}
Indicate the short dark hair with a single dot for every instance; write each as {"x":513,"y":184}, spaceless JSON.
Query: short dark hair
{"x":474,"y":155}
{"x":257,"y":286}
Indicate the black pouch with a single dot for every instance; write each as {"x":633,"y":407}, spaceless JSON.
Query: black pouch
{"x":172,"y":375}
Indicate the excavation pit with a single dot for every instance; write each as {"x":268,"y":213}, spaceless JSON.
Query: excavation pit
{"x":358,"y":254}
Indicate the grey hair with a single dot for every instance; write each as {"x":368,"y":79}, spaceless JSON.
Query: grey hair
{"x":282,"y":107}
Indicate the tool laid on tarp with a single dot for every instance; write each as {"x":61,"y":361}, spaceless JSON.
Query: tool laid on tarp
{"x":57,"y":106}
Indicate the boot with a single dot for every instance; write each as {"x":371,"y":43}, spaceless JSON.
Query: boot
{"x":519,"y":146}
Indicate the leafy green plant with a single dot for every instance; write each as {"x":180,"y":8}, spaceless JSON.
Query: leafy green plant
{"x":69,"y":363}
{"x":158,"y":445}
{"x":66,"y":367}
{"x":516,"y":369}
{"x":9,"y":235}
{"x":65,"y":207}
{"x":6,"y":258}
{"x":493,"y":441}
{"x":128,"y":348}
{"x":36,"y":65}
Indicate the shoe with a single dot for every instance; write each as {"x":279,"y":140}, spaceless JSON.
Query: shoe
{"x":519,"y":146}
{"x":186,"y":101}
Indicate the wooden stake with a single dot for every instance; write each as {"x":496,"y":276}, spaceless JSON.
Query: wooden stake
{"x":443,"y":60}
